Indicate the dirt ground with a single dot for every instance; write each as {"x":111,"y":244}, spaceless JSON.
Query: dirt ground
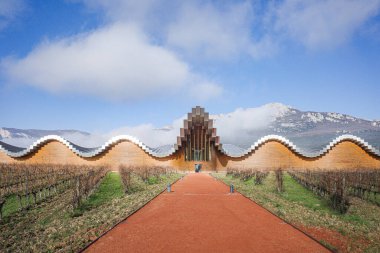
{"x":200,"y":215}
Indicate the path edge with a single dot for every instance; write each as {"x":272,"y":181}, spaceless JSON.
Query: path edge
{"x":303,"y":232}
{"x":124,"y":219}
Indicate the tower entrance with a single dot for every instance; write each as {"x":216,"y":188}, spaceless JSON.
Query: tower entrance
{"x":198,"y":136}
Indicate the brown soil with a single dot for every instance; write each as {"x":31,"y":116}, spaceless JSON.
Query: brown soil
{"x":200,"y":215}
{"x":339,"y":241}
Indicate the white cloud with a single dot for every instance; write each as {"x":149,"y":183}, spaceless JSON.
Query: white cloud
{"x":149,"y":46}
{"x":238,"y":126}
{"x":9,"y":10}
{"x":225,"y":30}
{"x":198,"y":29}
{"x":323,"y":23}
{"x":149,"y":134}
{"x":152,"y":16}
{"x":116,"y":62}
{"x":207,"y":31}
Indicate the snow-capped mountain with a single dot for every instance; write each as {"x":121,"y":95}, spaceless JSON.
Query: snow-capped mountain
{"x":310,"y":131}
{"x":313,"y":130}
{"x":306,"y":123}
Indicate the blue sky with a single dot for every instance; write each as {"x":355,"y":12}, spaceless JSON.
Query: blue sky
{"x":98,"y":65}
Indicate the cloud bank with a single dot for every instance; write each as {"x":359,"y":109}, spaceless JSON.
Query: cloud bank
{"x":320,"y":24}
{"x":148,"y":47}
{"x":117,"y":62}
{"x":225,"y":29}
{"x":208,"y":31}
{"x":235,"y":127}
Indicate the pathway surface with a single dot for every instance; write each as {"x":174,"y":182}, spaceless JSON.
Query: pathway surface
{"x":201,"y":216}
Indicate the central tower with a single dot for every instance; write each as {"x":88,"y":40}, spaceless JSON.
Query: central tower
{"x":198,"y":136}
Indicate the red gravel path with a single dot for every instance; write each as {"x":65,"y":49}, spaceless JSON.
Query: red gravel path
{"x":201,"y":216}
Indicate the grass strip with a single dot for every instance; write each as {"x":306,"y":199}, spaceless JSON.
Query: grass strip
{"x":52,"y":225}
{"x":358,"y":230}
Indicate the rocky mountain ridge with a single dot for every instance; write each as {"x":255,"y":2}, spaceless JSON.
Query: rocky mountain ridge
{"x":309,"y":130}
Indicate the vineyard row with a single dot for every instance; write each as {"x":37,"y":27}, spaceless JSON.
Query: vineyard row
{"x":335,"y":185}
{"x":34,"y":183}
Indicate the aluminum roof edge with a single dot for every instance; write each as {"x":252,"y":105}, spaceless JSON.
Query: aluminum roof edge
{"x":357,"y":140}
{"x":93,"y":152}
{"x":114,"y":140}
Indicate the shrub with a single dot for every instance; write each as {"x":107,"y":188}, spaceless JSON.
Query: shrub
{"x":279,"y":180}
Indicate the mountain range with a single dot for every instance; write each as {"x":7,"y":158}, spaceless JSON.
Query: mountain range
{"x":309,"y":130}
{"x":312,"y":130}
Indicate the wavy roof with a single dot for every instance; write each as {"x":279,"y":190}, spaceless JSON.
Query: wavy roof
{"x":81,"y":151}
{"x":164,"y":151}
{"x":357,"y":140}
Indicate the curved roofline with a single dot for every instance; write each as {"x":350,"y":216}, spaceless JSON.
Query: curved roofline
{"x":347,"y":137}
{"x":91,"y":152}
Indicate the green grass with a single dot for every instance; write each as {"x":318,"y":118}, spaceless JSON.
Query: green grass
{"x":153,"y":180}
{"x":11,"y":205}
{"x":110,"y":188}
{"x":353,"y":218}
{"x":301,"y":207}
{"x":369,"y":196}
{"x":51,"y":225}
{"x":299,"y":194}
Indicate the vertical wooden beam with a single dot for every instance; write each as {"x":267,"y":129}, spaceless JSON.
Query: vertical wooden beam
{"x":201,"y":142}
{"x":193,"y":138}
{"x":189,"y":147}
{"x":207,"y":137}
{"x":209,"y":148}
{"x":204,"y":144}
{"x":198,"y":143}
{"x":205,"y":151}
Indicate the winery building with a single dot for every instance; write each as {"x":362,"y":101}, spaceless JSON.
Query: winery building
{"x":198,"y":143}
